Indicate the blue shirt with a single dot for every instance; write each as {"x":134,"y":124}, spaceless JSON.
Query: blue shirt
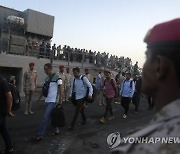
{"x":99,"y":82}
{"x":127,"y":90}
{"x":80,"y":87}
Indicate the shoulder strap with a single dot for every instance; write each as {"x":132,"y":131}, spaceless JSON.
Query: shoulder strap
{"x":114,"y":87}
{"x":105,"y":81}
{"x":82,"y":78}
{"x":131,"y":83}
{"x":112,"y":83}
{"x":73,"y":85}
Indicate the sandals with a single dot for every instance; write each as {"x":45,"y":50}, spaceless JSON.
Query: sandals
{"x":37,"y":138}
{"x":70,"y":128}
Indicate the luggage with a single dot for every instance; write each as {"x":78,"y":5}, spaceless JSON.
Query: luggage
{"x":58,"y":117}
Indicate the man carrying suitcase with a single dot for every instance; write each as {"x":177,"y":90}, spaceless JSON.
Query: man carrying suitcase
{"x":52,"y":89}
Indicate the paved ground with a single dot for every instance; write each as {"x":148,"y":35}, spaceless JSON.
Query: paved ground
{"x":88,"y":139}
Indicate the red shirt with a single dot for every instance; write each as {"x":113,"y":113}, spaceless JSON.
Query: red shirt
{"x":109,"y":90}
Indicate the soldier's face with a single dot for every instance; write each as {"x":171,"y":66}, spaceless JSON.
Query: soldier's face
{"x":61,"y":70}
{"x":86,"y":72}
{"x":31,"y":67}
{"x":149,"y":81}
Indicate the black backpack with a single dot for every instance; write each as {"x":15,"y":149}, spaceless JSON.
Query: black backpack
{"x":87,"y":94}
{"x":45,"y":88}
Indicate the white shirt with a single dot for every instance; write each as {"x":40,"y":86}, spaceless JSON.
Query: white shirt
{"x":53,"y":89}
{"x":80,"y":87}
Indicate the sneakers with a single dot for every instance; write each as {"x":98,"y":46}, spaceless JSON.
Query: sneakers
{"x":70,"y":128}
{"x":124,"y":116}
{"x":117,"y":103}
{"x":85,"y":105}
{"x":102,"y":120}
{"x":30,"y":112}
{"x":26,"y":113}
{"x":82,"y":123}
{"x":111,"y":118}
{"x":7,"y":151}
{"x":100,"y":104}
{"x":56,"y":130}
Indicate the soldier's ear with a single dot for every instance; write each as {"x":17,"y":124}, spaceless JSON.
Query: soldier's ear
{"x":160,"y":67}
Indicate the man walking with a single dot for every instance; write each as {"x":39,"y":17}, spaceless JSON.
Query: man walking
{"x":119,"y":79}
{"x":110,"y":92}
{"x":137,"y":94}
{"x":53,"y":97}
{"x":29,"y":84}
{"x":126,"y":93}
{"x":5,"y":109}
{"x":79,"y":87}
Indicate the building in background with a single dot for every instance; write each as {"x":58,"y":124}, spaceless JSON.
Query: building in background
{"x":22,"y":32}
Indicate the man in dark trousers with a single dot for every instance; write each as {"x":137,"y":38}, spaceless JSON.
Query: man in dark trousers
{"x":126,"y":93}
{"x":80,"y":85}
{"x":137,"y":94}
{"x":5,"y":109}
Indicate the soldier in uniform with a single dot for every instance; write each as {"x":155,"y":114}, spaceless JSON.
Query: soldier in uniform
{"x":67,"y":83}
{"x":86,"y":71}
{"x":29,"y":84}
{"x":161,"y":80}
{"x":99,"y":86}
{"x":62,"y":76}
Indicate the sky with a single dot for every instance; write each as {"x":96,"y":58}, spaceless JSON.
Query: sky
{"x":114,"y":26}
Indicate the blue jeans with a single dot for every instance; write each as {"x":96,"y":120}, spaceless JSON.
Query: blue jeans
{"x":42,"y":128}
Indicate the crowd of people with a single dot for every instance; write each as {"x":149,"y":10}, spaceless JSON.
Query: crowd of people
{"x":78,"y":88}
{"x":68,"y":53}
{"x":160,"y":82}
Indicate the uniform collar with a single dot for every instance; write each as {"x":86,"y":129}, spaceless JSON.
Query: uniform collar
{"x":168,"y":112}
{"x":32,"y":70}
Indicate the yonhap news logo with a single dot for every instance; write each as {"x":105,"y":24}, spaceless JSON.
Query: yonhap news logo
{"x":113,"y":140}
